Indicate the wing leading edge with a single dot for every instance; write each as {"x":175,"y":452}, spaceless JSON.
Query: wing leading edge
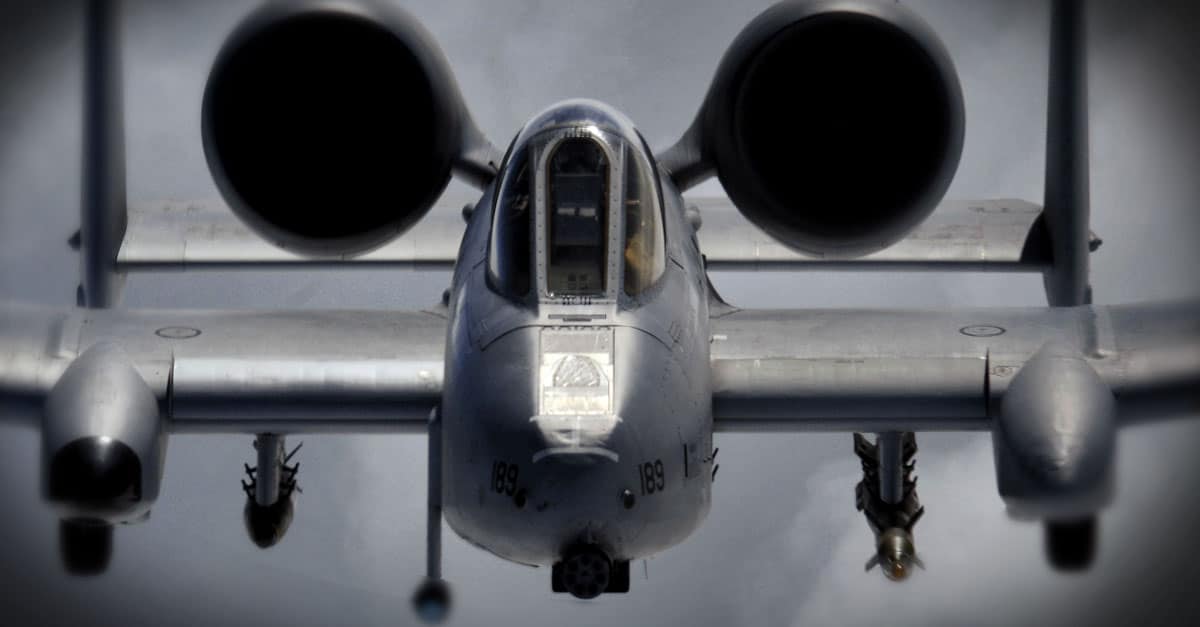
{"x":243,"y":371}
{"x":773,"y":370}
{"x":858,"y":370}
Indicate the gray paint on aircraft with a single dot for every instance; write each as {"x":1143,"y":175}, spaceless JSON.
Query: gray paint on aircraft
{"x":1143,"y":193}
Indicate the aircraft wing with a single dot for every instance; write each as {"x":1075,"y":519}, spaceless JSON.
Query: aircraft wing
{"x":876,"y":371}
{"x":243,"y":371}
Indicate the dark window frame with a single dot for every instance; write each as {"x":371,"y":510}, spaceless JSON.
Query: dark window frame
{"x":511,"y":252}
{"x":565,"y":219}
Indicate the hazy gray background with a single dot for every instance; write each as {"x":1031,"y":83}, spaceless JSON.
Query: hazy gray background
{"x":783,"y":545}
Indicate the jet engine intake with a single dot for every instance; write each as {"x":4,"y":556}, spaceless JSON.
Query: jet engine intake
{"x":332,"y":127}
{"x":834,"y":126}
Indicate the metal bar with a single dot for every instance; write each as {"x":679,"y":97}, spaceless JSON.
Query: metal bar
{"x":297,"y":264}
{"x":728,"y":424}
{"x":820,"y":391}
{"x":332,"y":426}
{"x":102,"y":207}
{"x":300,"y":391}
{"x":866,"y":264}
{"x":1066,"y":209}
{"x":270,"y":467}
{"x":890,"y":445}
{"x":433,"y":520}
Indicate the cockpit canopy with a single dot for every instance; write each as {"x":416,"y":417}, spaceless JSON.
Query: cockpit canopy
{"x":578,"y":213}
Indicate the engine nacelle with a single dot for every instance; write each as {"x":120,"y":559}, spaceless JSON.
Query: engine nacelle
{"x":103,"y":441}
{"x":1055,"y":438}
{"x":332,"y":127}
{"x":835,"y":126}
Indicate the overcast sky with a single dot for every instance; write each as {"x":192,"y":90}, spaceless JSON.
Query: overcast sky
{"x":783,"y":544}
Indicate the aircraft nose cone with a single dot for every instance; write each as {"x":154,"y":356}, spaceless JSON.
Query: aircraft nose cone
{"x":266,"y":525}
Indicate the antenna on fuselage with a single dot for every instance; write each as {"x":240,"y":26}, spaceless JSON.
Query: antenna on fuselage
{"x":102,"y":208}
{"x":1066,"y":209}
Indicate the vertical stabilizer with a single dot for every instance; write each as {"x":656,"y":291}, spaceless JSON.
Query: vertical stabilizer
{"x":103,"y":210}
{"x":1066,"y":202}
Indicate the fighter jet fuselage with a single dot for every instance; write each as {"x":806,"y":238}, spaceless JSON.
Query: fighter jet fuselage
{"x":579,"y":414}
{"x":572,"y":379}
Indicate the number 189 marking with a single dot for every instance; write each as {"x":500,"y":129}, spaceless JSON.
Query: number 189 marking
{"x":504,"y":477}
{"x":651,"y":477}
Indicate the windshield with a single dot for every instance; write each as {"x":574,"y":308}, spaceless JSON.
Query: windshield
{"x":577,"y":212}
{"x":577,"y":186}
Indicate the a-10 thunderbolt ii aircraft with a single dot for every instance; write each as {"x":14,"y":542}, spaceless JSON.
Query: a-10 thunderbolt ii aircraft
{"x":571,"y":381}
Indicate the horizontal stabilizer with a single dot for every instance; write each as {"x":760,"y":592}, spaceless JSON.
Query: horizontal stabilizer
{"x":962,"y":235}
{"x":207,"y":235}
{"x":1000,"y":235}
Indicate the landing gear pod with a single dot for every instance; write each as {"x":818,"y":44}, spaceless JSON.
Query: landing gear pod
{"x":332,"y":127}
{"x":1055,"y":438}
{"x":835,"y":127}
{"x":1055,"y":444}
{"x":103,"y":447}
{"x":103,"y":440}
